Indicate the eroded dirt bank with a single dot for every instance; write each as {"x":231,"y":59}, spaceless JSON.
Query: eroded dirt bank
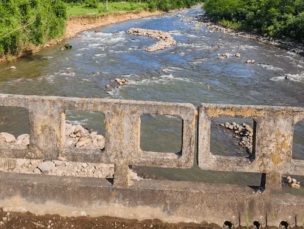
{"x":77,"y":24}
{"x":81,"y":23}
{"x":27,"y":220}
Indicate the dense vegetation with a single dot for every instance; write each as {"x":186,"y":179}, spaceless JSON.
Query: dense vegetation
{"x":24,"y":22}
{"x":170,"y":4}
{"x":152,"y":5}
{"x":276,"y":18}
{"x":91,"y":9}
{"x":29,"y":21}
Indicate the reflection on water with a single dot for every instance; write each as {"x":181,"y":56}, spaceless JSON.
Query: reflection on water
{"x":88,"y":119}
{"x":167,"y":137}
{"x":226,"y":142}
{"x":189,"y":72}
{"x":14,"y":120}
{"x":298,"y":141}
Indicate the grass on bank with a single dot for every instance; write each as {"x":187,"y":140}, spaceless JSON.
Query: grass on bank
{"x":81,"y":9}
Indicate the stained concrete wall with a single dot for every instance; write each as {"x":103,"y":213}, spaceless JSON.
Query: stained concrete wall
{"x":167,"y":200}
{"x":273,"y":137}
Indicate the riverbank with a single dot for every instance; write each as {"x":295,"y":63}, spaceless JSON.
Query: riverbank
{"x":204,"y":20}
{"x":16,"y":220}
{"x":77,"y":24}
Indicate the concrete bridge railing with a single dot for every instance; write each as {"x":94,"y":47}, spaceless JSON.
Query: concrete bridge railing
{"x":170,"y":201}
{"x":272,"y":142}
{"x":122,"y":132}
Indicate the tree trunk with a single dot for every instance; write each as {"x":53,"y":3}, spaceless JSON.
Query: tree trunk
{"x":107,"y":8}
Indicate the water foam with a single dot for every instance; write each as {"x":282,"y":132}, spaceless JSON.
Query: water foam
{"x":176,"y":33}
{"x":291,"y":77}
{"x":246,"y":47}
{"x":278,"y":78}
{"x":115,"y":92}
{"x":65,"y":73}
{"x":270,"y":67}
{"x":171,"y":69}
{"x":78,"y":122}
{"x":100,"y":54}
{"x":48,"y":78}
{"x":83,"y":49}
{"x":163,"y":79}
{"x":117,"y":51}
{"x":47,"y":57}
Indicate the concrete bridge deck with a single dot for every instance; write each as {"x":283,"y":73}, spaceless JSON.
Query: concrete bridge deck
{"x":169,"y":201}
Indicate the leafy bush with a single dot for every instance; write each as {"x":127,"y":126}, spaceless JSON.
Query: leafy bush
{"x":30,"y":21}
{"x":166,"y":5}
{"x":277,"y":18}
{"x":91,"y":3}
{"x":152,"y":5}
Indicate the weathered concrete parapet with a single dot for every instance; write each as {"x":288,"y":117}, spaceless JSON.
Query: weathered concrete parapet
{"x":122,"y":131}
{"x":170,"y":201}
{"x":47,"y":128}
{"x":273,"y":131}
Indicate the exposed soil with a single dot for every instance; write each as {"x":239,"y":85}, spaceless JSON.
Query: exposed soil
{"x":77,"y":24}
{"x":27,"y":220}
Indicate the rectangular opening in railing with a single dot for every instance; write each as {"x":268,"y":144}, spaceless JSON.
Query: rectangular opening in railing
{"x":14,"y":131}
{"x":232,"y":137}
{"x":84,"y":130}
{"x":298,"y":141}
{"x":161,"y":133}
{"x":14,"y":127}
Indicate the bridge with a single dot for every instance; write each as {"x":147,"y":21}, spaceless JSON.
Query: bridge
{"x":169,"y":201}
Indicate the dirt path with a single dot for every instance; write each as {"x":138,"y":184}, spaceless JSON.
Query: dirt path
{"x":11,"y":220}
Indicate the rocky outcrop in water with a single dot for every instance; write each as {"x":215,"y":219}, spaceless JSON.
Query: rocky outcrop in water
{"x":165,"y":39}
{"x":293,"y":183}
{"x":12,"y":68}
{"x":66,"y":47}
{"x":227,"y":55}
{"x":121,"y":82}
{"x":250,"y":61}
{"x":243,"y":132}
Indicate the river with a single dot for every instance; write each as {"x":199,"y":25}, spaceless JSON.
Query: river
{"x":189,"y":72}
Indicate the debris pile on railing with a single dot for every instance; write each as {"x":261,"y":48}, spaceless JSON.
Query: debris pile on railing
{"x":79,"y":137}
{"x":56,"y":167}
{"x":76,"y":136}
{"x":7,"y":138}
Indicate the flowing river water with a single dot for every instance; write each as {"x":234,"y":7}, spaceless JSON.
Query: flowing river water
{"x":189,"y":72}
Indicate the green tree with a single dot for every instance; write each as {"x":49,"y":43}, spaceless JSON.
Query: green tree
{"x":29,"y":21}
{"x":91,"y":3}
{"x":277,"y":18}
